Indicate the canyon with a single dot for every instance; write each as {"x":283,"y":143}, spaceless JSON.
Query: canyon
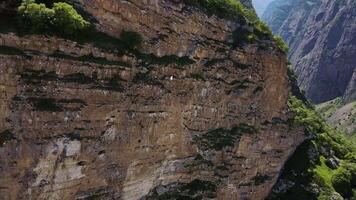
{"x":189,"y":116}
{"x":320,"y":35}
{"x":158,"y":100}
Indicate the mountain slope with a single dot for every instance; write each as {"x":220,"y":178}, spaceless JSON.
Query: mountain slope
{"x":323,"y":167}
{"x":320,"y":36}
{"x":322,"y":45}
{"x":339,"y":114}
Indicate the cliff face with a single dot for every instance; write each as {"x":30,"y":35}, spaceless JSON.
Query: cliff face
{"x":322,"y":44}
{"x":189,"y":117}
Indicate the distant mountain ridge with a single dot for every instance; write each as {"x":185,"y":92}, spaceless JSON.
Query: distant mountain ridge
{"x":322,"y":45}
{"x":260,"y":6}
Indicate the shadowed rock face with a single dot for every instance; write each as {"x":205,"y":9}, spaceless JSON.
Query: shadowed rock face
{"x":321,"y":38}
{"x":6,"y":5}
{"x":198,"y":119}
{"x":247,"y":3}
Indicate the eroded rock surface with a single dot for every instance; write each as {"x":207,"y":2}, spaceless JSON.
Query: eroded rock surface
{"x":200,"y":119}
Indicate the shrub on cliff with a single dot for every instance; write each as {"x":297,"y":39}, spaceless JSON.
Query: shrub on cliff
{"x":62,"y":18}
{"x":67,"y":19}
{"x":281,"y":44}
{"x":326,"y":142}
{"x":262,"y":29}
{"x":234,"y":10}
{"x":305,"y":116}
{"x":35,"y":17}
{"x":341,"y":182}
{"x":221,"y":8}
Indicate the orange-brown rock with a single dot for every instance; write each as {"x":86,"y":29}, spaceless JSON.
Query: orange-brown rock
{"x":210,"y":125}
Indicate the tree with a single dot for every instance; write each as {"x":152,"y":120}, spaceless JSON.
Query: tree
{"x":35,"y":17}
{"x":341,"y":182}
{"x":62,"y":18}
{"x":67,"y":19}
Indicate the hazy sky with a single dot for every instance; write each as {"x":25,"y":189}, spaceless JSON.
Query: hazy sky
{"x":260,"y":5}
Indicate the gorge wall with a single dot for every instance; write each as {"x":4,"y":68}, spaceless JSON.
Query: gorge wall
{"x":189,"y":116}
{"x":320,"y":34}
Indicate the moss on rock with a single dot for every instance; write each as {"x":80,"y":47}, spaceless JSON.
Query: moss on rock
{"x":307,"y":169}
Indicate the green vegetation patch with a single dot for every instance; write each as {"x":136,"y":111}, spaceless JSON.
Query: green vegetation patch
{"x":321,"y":167}
{"x":234,"y":10}
{"x":294,"y":181}
{"x":230,"y":9}
{"x":304,"y":116}
{"x":309,"y":170}
{"x":62,"y":18}
{"x":64,"y":21}
{"x":323,"y":174}
{"x":281,"y":44}
{"x":342,"y":182}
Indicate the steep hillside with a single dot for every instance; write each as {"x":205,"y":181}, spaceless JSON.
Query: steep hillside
{"x":322,"y":45}
{"x":324,"y":166}
{"x":340,"y":115}
{"x":162,"y":100}
{"x":320,"y":35}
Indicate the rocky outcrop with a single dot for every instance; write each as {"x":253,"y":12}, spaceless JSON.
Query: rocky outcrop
{"x":321,"y":38}
{"x":187,"y":117}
